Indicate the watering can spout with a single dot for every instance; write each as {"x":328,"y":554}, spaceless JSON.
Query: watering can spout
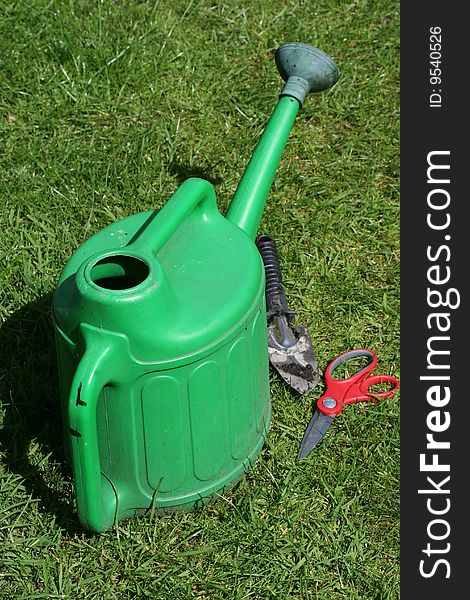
{"x":304,"y":69}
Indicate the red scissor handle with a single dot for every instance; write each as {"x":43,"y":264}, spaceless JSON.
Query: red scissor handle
{"x":356,"y":388}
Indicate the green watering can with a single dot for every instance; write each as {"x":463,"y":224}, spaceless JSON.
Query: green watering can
{"x":160,"y":324}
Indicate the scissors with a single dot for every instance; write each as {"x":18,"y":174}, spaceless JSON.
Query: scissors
{"x":340,"y":392}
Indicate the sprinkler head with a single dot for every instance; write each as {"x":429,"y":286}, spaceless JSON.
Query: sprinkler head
{"x":305,"y":69}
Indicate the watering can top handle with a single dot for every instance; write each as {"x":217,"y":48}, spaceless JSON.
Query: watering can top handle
{"x":305,"y":69}
{"x":191,"y":193}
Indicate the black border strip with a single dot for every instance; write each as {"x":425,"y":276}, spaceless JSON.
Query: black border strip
{"x":434,"y":253}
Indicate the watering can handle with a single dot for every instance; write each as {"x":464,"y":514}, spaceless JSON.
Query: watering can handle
{"x":96,"y":498}
{"x":191,"y":193}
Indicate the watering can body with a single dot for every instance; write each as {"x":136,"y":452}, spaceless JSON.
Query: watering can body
{"x":161,"y":334}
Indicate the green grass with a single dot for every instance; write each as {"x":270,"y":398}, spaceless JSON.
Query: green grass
{"x":105,"y":107}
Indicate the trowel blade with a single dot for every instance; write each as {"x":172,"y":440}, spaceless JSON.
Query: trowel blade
{"x":296,"y":365}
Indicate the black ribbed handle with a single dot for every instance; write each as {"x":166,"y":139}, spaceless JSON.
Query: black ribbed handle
{"x":276,"y":302}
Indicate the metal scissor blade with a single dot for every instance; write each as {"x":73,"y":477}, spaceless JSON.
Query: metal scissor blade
{"x":316,"y":429}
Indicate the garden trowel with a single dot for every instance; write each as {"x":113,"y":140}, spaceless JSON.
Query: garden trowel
{"x":290,"y":347}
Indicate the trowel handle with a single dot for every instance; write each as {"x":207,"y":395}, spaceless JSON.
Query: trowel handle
{"x":276,"y":302}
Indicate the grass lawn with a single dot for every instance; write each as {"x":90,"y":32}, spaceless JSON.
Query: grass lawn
{"x":105,"y":108}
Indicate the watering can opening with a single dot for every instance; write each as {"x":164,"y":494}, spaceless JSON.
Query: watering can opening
{"x":119,"y":272}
